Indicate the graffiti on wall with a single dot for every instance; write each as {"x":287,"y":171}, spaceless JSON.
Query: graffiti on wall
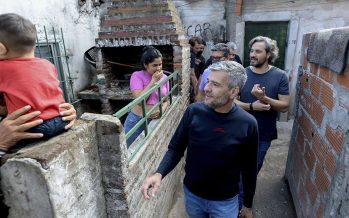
{"x":207,"y":31}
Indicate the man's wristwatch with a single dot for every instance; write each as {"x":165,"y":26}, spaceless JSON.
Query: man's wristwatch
{"x":251,"y":106}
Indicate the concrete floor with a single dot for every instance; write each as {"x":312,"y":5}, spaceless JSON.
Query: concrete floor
{"x":272,"y":198}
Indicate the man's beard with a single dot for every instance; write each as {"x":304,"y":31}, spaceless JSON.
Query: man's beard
{"x":218,"y":102}
{"x":258,"y":63}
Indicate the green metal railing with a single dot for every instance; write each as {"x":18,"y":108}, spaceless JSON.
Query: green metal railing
{"x":141,"y":100}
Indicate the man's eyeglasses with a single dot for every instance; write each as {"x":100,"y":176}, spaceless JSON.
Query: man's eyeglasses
{"x":217,"y":57}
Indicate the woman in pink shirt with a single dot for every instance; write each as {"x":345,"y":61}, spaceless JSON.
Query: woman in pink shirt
{"x":141,"y":82}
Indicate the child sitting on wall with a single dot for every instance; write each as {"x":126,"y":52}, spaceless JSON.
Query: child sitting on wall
{"x":27,"y":80}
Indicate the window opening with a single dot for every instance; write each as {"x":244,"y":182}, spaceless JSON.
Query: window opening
{"x":52,"y":48}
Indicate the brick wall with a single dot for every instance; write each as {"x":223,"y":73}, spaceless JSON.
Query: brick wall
{"x":134,"y":23}
{"x":138,"y":23}
{"x":318,"y":161}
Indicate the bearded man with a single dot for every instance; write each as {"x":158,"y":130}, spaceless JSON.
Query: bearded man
{"x":197,"y":63}
{"x":221,"y":141}
{"x":265,"y":93}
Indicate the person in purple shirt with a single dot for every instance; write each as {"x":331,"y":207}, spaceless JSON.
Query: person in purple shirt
{"x":141,"y":82}
{"x":220,"y":52}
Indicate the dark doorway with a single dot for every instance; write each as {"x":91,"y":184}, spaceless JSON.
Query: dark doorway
{"x":274,"y":30}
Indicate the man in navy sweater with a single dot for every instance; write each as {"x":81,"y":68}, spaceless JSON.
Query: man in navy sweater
{"x":221,"y":141}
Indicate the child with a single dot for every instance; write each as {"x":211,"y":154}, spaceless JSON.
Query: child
{"x":26,"y":80}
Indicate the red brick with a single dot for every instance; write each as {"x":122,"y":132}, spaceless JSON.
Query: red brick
{"x":325,"y":157}
{"x":140,"y":33}
{"x":319,"y":147}
{"x":336,"y":138}
{"x":307,"y":126}
{"x":309,"y":157}
{"x":304,"y":80}
{"x":311,"y":190}
{"x":238,"y":7}
{"x":315,"y":86}
{"x":300,"y":140}
{"x":326,"y":96}
{"x":343,"y":79}
{"x":317,"y":112}
{"x":322,"y":182}
{"x":326,"y":74}
{"x":306,"y":102}
{"x":320,"y":210}
{"x":314,"y":68}
{"x":330,"y":163}
{"x":299,"y":167}
{"x":137,"y":21}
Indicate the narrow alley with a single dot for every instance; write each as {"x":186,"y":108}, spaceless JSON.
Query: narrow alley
{"x":272,"y":198}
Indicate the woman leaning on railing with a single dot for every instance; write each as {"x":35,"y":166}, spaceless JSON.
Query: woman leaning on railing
{"x":141,"y":82}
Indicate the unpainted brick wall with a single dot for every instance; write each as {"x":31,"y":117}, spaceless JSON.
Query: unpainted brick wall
{"x":318,"y":161}
{"x":140,"y":23}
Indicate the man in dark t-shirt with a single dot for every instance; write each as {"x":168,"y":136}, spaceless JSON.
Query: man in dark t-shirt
{"x":265,"y":93}
{"x":221,"y":140}
{"x":197,"y":63}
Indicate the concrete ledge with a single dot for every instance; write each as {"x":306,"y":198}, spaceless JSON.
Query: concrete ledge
{"x":60,"y":177}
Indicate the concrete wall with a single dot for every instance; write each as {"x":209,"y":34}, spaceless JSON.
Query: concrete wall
{"x":318,"y":160}
{"x":57,"y":178}
{"x":205,"y":19}
{"x":80,"y":25}
{"x":303,"y":16}
{"x":195,"y":13}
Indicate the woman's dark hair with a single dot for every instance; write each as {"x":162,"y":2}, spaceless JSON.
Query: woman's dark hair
{"x":149,"y":55}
